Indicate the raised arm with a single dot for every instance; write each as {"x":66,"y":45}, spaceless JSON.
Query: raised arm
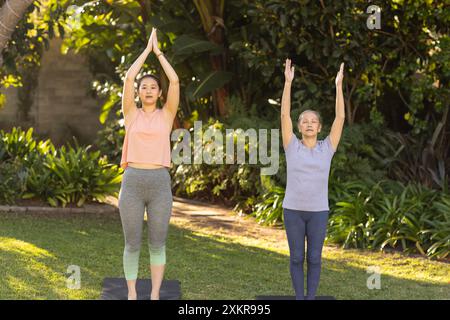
{"x":338,"y":123}
{"x":173,"y":94}
{"x":286,"y":122}
{"x":128,"y":104}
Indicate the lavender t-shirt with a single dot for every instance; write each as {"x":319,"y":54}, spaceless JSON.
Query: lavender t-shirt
{"x":307,"y":175}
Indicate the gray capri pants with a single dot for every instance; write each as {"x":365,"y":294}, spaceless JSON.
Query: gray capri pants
{"x":140,"y":189}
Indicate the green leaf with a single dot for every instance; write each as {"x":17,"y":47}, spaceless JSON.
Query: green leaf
{"x":109,"y":104}
{"x":186,"y":45}
{"x":211,"y":82}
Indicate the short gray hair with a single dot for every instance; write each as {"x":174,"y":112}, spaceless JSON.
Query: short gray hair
{"x":313,"y":111}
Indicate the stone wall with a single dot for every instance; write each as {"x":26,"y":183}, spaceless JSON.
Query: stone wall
{"x":63,"y":104}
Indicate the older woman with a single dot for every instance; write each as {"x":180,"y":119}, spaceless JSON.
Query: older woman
{"x":305,"y":205}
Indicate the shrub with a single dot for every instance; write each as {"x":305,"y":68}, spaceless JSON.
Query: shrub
{"x":35,"y":169}
{"x":411,"y":218}
{"x":228,"y":184}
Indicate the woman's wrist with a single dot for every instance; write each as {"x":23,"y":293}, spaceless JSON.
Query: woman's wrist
{"x":147,"y":50}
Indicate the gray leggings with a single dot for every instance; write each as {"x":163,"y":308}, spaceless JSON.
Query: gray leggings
{"x":140,"y":188}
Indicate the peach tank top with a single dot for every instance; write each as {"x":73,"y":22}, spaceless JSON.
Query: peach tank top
{"x":147,"y":139}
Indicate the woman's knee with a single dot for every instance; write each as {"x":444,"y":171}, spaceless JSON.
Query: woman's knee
{"x":297,"y":259}
{"x":314,"y":258}
{"x":157,"y":254}
{"x":132,"y":246}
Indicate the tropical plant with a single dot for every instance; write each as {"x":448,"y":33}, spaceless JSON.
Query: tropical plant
{"x":268,"y":209}
{"x":36,"y":169}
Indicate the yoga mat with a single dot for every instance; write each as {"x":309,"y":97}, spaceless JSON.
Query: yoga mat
{"x":291,"y":298}
{"x":116,"y":289}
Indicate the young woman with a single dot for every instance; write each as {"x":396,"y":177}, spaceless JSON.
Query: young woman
{"x":145,"y":158}
{"x":305,"y":205}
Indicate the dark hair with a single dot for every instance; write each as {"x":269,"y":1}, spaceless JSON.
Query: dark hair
{"x":149,"y":76}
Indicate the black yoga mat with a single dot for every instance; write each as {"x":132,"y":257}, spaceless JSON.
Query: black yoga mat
{"x":116,"y":289}
{"x":291,"y":298}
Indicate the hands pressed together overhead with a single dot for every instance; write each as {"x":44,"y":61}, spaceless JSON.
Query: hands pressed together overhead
{"x":152,"y":44}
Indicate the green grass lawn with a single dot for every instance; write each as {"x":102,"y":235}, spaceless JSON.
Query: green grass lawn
{"x":35,"y":252}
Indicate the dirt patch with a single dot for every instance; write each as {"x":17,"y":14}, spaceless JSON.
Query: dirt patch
{"x":223,"y":220}
{"x":218,"y":219}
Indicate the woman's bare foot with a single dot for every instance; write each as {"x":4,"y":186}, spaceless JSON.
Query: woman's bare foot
{"x":132,"y":296}
{"x":154,"y":296}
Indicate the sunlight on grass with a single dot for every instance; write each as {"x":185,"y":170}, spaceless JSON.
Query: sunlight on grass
{"x":20,"y":286}
{"x":394,"y":265}
{"x":23,"y":248}
{"x":211,"y":263}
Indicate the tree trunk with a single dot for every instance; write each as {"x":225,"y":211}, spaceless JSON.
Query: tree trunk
{"x":211,"y":14}
{"x":10,"y":14}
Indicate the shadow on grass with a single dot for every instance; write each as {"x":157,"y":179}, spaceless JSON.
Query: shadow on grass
{"x":36,"y":250}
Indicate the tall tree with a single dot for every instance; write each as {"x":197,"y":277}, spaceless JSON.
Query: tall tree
{"x":11,"y":12}
{"x":211,"y":14}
